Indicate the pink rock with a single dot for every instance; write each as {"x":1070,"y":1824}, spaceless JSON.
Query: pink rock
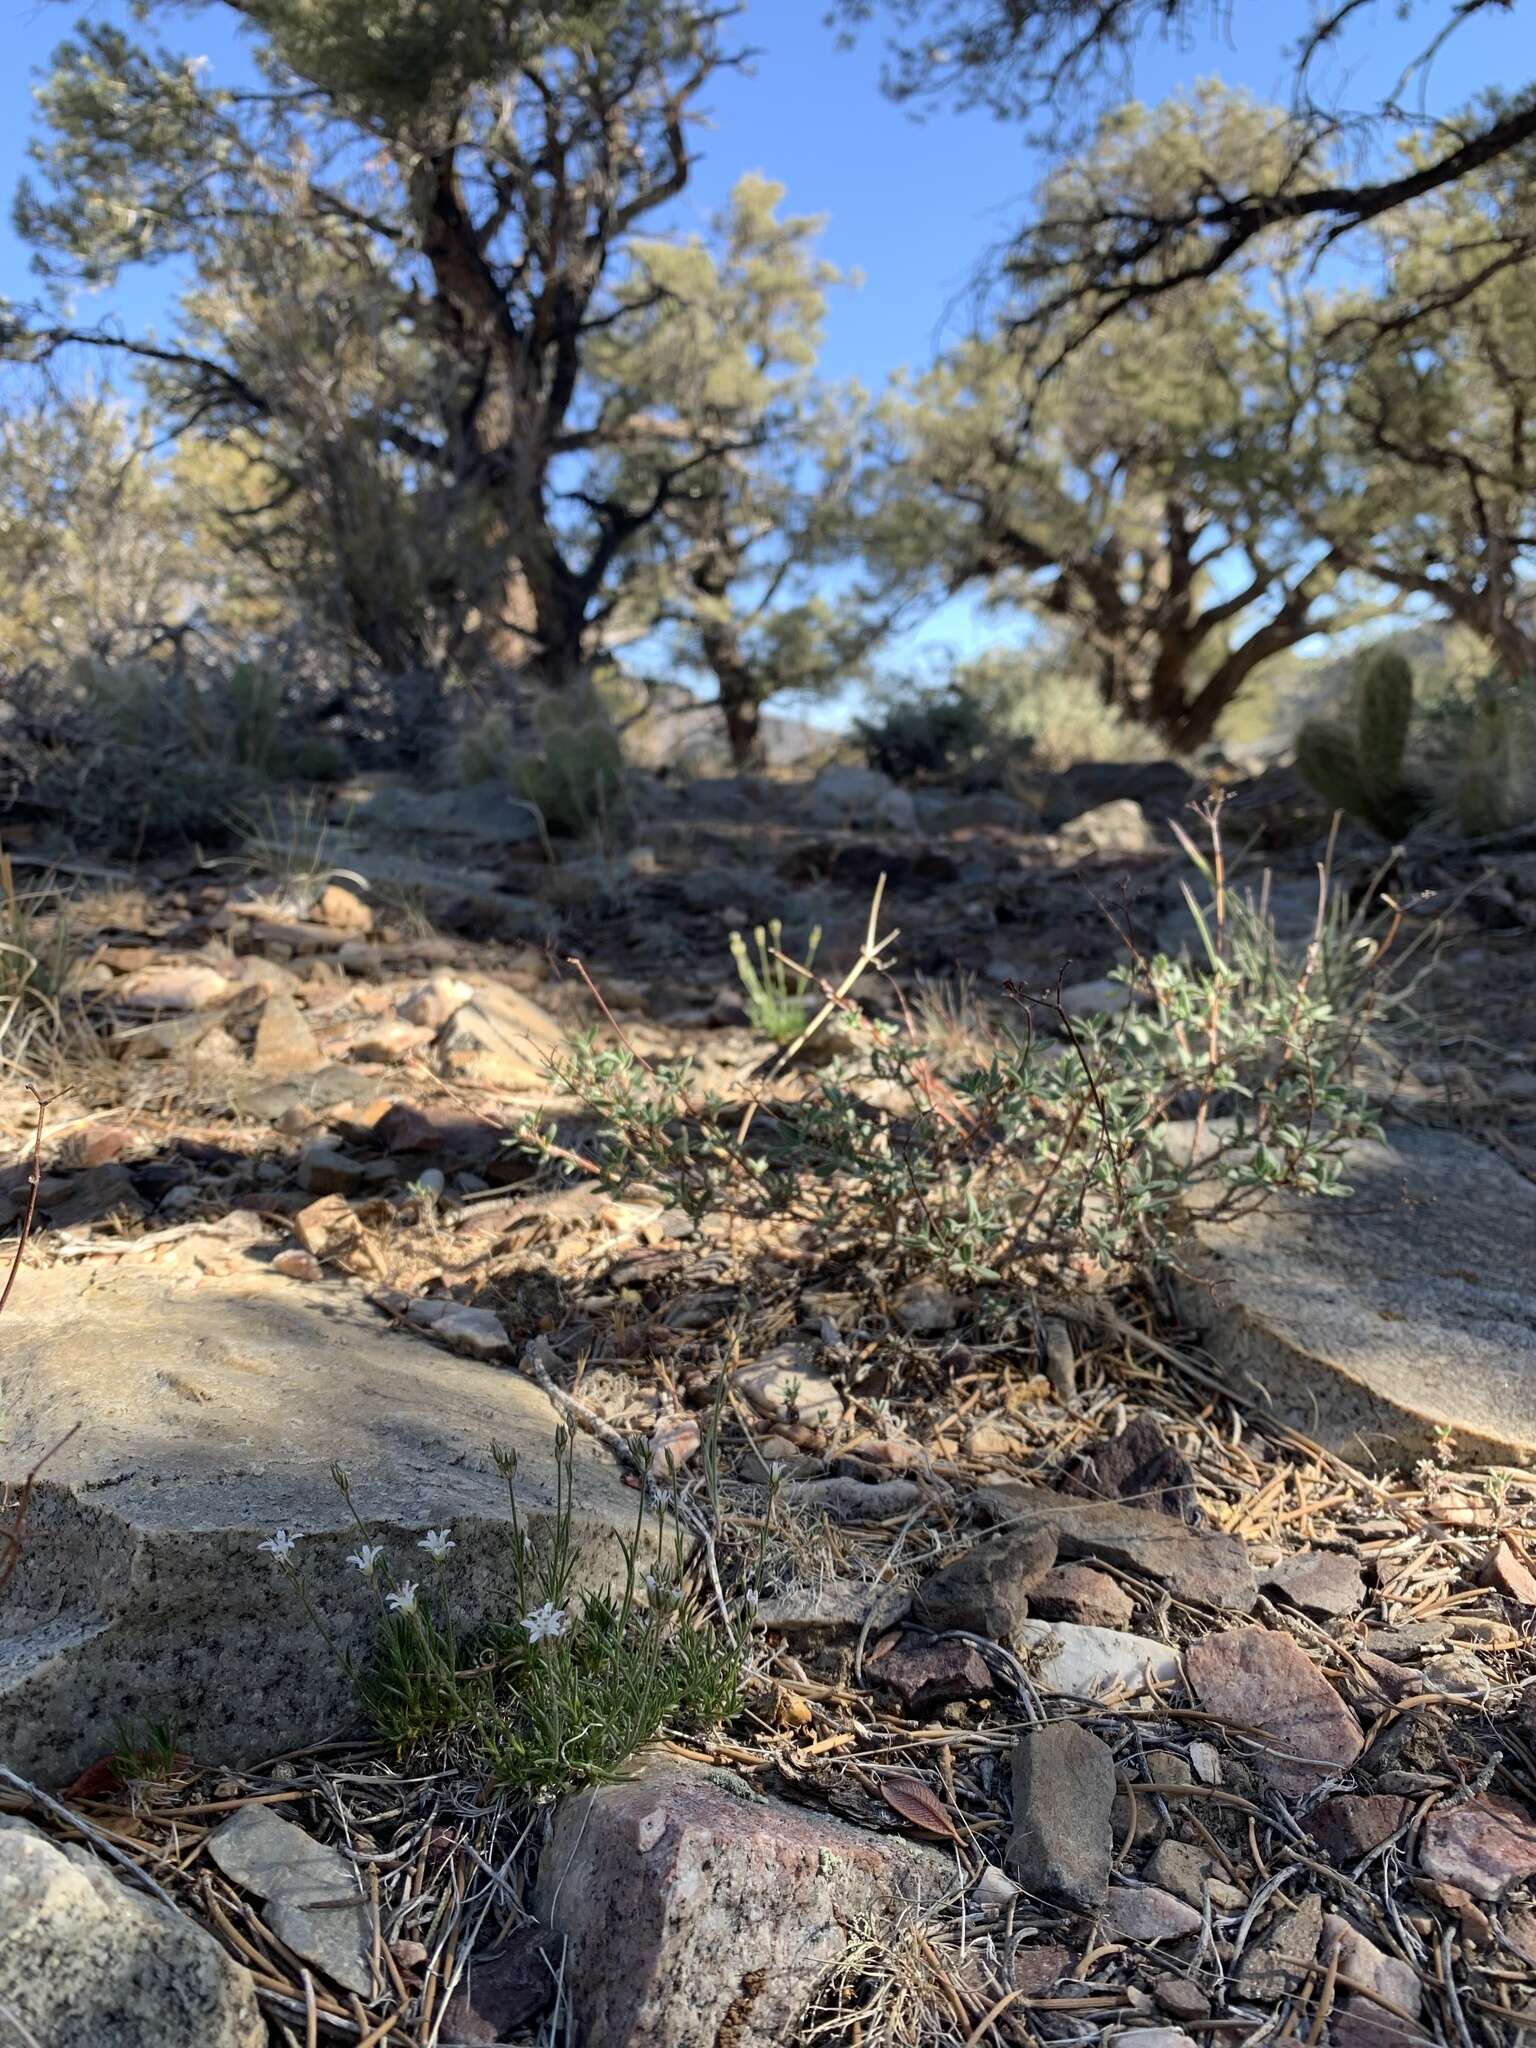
{"x":697,"y":1912}
{"x":172,"y":988}
{"x":1375,"y":1990}
{"x":390,"y":1040}
{"x":1259,"y":1678}
{"x":435,"y":1001}
{"x":1484,"y":1846}
{"x":928,"y":1672}
{"x":343,"y":910}
{"x":675,"y":1438}
{"x":296,"y":1264}
{"x":1352,"y":1824}
{"x":1076,"y":1592}
{"x":1143,"y":1912}
{"x":1508,"y":1573}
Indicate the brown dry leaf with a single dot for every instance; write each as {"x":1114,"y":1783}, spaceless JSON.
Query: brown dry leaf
{"x":912,"y":1799}
{"x":789,"y":1710}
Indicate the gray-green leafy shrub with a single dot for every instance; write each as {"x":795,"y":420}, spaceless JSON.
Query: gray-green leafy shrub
{"x":138,"y":757}
{"x":565,"y":758}
{"x":1491,"y":790}
{"x":37,"y":950}
{"x":1048,"y":1153}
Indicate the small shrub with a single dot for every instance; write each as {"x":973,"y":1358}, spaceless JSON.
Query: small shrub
{"x":145,"y":756}
{"x":938,"y":736}
{"x":775,"y":993}
{"x":1041,"y":1154}
{"x":572,"y":1684}
{"x":1481,"y":754}
{"x":37,"y":950}
{"x":146,"y":1753}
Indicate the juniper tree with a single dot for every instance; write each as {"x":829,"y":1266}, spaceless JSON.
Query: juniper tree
{"x":469,"y":176}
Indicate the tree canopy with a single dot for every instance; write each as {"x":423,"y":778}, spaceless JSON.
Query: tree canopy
{"x":446,"y":194}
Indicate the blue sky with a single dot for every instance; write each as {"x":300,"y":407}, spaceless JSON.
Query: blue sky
{"x":910,"y":205}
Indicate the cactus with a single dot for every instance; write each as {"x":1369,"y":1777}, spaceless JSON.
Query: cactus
{"x":1361,"y":772}
{"x":579,"y":769}
{"x":1488,"y":782}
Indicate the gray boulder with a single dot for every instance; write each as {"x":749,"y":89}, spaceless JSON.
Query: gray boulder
{"x":489,"y":812}
{"x":848,"y":797}
{"x":208,"y":1418}
{"x":87,"y":1963}
{"x":1117,"y":827}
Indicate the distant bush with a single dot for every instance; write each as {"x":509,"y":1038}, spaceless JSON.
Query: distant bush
{"x":1000,"y":716}
{"x":937,"y":736}
{"x":138,"y":757}
{"x":566,"y":758}
{"x":1051,"y":719}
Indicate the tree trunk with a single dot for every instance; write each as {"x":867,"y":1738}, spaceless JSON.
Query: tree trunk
{"x":740,"y":700}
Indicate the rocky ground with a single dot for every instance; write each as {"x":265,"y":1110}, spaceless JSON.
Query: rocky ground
{"x":1147,"y":1662}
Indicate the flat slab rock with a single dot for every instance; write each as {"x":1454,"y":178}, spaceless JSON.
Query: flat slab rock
{"x":1194,"y":1564}
{"x":311,"y":1894}
{"x":696,"y":1912}
{"x":209,"y":1416}
{"x":1260,"y":1679}
{"x":1076,"y":1660}
{"x":1382,"y":1320}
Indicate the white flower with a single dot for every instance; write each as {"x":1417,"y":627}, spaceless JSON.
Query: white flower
{"x":437,"y":1543}
{"x":662,"y":1591}
{"x":548,"y":1620}
{"x":281,"y":1546}
{"x":403,"y":1599}
{"x":366,"y":1558}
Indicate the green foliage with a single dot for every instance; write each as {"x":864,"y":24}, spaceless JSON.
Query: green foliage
{"x":1043,"y":1155}
{"x":37,"y":950}
{"x":576,"y":776}
{"x":1124,"y":499}
{"x":1491,"y":783}
{"x":775,"y":993}
{"x":412,"y":344}
{"x":139,"y":757}
{"x":729,"y":328}
{"x":1044,"y":709}
{"x":572,"y":1683}
{"x":146,"y":1753}
{"x":939,"y":735}
{"x":99,"y":548}
{"x":569,"y":764}
{"x":1361,"y":772}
